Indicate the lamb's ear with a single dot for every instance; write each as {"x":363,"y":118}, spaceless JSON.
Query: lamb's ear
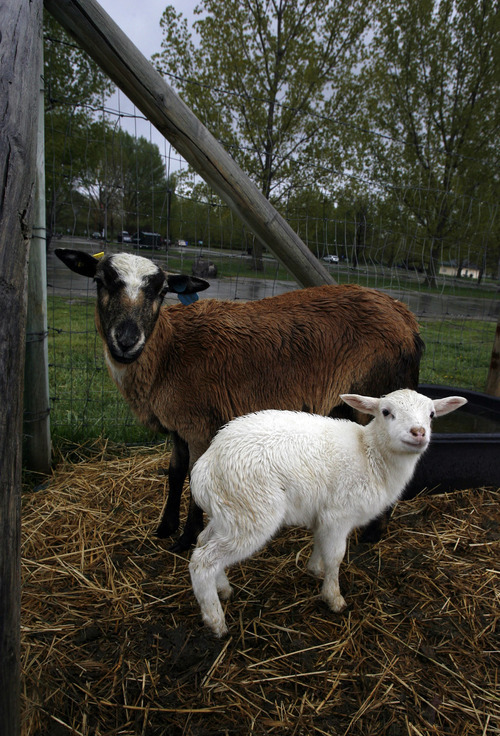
{"x":449,"y":403}
{"x":182,"y":284}
{"x":78,"y":261}
{"x":364,"y":404}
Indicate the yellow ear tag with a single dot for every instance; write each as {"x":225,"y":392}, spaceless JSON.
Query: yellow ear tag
{"x":98,"y":255}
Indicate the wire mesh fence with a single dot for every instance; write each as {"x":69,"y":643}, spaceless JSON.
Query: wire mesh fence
{"x":118,"y":185}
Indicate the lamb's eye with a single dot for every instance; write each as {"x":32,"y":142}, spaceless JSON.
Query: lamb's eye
{"x":386,"y":412}
{"x":433,"y":414}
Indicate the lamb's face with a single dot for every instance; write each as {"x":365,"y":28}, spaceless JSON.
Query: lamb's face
{"x":405,"y":417}
{"x":130,"y":290}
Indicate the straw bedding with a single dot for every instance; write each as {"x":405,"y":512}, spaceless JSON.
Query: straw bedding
{"x":112,"y":640}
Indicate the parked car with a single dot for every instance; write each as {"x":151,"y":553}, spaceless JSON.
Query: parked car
{"x":124,"y":237}
{"x":145,"y":239}
{"x":96,"y":236}
{"x":331,"y":259}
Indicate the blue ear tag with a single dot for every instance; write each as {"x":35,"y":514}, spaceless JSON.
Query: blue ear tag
{"x":188,"y":298}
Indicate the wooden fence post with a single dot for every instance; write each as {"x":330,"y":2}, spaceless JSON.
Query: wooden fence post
{"x":20,"y":47}
{"x":37,"y":445}
{"x":493,"y":382}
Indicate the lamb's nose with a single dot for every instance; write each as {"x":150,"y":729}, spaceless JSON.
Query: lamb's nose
{"x":418,"y":431}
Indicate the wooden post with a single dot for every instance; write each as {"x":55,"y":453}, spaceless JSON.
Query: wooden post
{"x":493,"y":382}
{"x":37,"y":445}
{"x":97,"y":33}
{"x":20,"y":47}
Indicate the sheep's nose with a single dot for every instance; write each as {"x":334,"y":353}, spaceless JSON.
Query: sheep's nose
{"x":418,"y":431}
{"x":127,"y":335}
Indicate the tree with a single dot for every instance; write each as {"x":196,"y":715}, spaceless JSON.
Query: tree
{"x":265,"y":76}
{"x":124,"y":182}
{"x":74,"y":87}
{"x":430,"y":97}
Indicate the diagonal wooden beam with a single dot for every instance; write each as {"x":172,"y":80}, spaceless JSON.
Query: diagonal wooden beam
{"x":117,"y":56}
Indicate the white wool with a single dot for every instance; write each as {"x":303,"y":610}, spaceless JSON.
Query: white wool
{"x":276,"y":468}
{"x":133,"y":271}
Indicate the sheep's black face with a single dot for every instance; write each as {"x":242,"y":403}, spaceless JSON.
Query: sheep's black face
{"x":130,"y":290}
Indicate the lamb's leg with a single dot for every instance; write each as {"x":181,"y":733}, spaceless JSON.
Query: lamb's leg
{"x":222,"y":583}
{"x":331,"y":543}
{"x":215,"y":552}
{"x":223,"y":587}
{"x":208,"y":578}
{"x":204,"y":569}
{"x":177,"y":473}
{"x":316,"y":565}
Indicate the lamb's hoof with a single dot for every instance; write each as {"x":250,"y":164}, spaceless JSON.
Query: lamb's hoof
{"x":317,"y":570}
{"x":225,"y":593}
{"x":218,"y":628}
{"x":337,"y":604}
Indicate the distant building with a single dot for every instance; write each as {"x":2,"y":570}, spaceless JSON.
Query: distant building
{"x":468,"y":270}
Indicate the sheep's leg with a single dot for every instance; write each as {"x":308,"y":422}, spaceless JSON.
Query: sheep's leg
{"x":192,"y":528}
{"x":177,"y":472}
{"x":331,"y":543}
{"x":373,"y":531}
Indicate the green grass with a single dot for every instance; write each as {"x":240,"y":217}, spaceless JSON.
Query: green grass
{"x":458,"y":352}
{"x":233,"y":266}
{"x":86,"y":404}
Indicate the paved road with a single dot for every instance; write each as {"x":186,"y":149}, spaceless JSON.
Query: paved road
{"x":63,"y":282}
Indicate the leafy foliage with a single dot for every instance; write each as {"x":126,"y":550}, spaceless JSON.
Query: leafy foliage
{"x":430,"y":84}
{"x":263,"y":76}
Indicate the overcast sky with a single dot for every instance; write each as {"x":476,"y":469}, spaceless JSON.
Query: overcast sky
{"x":141,"y":20}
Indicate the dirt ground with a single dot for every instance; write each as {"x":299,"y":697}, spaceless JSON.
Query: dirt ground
{"x":112,"y":639}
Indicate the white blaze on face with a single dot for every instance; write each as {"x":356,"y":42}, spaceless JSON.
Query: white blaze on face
{"x":132,"y":271}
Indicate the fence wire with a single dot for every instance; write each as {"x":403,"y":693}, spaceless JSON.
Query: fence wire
{"x":120,"y":186}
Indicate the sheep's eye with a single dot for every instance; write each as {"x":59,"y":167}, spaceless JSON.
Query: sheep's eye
{"x":433,"y":414}
{"x":386,"y":412}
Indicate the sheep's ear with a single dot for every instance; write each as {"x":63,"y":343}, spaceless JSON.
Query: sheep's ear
{"x":364,"y":404}
{"x":78,"y":261}
{"x":182,"y":284}
{"x":449,"y":403}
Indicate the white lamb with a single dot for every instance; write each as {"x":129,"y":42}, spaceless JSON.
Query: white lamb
{"x":272,"y":468}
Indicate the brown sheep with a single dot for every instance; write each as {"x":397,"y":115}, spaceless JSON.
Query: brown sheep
{"x":189,"y":370}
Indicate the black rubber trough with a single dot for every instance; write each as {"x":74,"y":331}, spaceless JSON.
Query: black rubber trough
{"x":465,"y":445}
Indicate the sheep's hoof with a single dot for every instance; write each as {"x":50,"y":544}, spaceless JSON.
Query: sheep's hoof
{"x":166,"y":528}
{"x":181,"y":545}
{"x":373,"y":532}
